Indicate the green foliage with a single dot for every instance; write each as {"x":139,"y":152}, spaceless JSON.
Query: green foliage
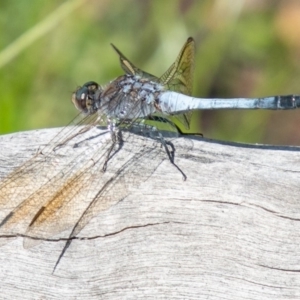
{"x":245,"y":49}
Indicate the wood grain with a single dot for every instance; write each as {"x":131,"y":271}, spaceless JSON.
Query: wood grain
{"x":230,"y":231}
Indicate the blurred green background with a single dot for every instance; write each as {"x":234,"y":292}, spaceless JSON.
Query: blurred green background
{"x":245,"y":48}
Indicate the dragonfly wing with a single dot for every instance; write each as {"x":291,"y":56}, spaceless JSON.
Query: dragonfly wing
{"x":130,"y":68}
{"x":138,"y":167}
{"x":179,"y":77}
{"x":68,"y":199}
{"x":27,"y":190}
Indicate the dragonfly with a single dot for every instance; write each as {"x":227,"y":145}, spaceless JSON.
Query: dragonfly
{"x":41,"y":198}
{"x":139,"y":95}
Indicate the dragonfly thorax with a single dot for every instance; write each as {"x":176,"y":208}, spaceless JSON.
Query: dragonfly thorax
{"x":129,"y":97}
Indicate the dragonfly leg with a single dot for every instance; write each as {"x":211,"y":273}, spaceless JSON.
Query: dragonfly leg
{"x":116,"y":137}
{"x":171,"y":154}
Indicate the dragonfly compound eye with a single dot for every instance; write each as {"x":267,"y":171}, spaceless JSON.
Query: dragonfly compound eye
{"x":84,"y":97}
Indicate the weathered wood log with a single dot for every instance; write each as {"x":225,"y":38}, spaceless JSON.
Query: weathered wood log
{"x":230,"y":231}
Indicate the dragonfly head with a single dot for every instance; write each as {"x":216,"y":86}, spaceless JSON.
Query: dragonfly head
{"x":84,"y":98}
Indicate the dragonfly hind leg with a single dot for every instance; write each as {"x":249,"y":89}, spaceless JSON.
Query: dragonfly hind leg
{"x":171,"y":154}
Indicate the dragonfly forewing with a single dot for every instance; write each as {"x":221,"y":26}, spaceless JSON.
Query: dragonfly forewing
{"x":73,"y":188}
{"x":129,"y":68}
{"x":29,"y":187}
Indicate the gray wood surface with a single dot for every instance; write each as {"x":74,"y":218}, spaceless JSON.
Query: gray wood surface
{"x":230,"y":231}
